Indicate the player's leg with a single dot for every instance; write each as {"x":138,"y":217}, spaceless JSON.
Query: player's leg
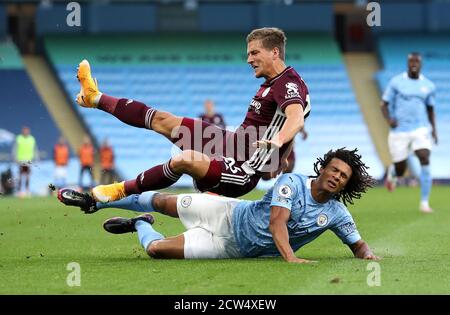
{"x":399,"y":149}
{"x":421,"y":145}
{"x":131,"y":112}
{"x":208,"y":220}
{"x":19,"y":182}
{"x":199,"y":166}
{"x":168,"y":248}
{"x":80,"y":179}
{"x":141,"y":224}
{"x":195,"y":243}
{"x":91,"y":176}
{"x":27,"y":182}
{"x":149,"y":201}
{"x":400,"y":168}
{"x":426,"y":180}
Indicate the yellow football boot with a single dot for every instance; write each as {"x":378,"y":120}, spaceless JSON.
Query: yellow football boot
{"x":89,"y":92}
{"x":112,"y":192}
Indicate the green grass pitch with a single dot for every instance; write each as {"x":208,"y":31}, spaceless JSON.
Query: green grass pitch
{"x":39,"y":237}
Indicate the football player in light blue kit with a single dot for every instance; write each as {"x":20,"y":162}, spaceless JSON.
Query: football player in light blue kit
{"x":291,"y":214}
{"x":407,"y":105}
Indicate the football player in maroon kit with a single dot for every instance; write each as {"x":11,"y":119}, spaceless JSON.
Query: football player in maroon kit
{"x":219,"y":161}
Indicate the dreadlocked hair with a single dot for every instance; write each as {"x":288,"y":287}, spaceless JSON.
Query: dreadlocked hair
{"x":358,"y":182}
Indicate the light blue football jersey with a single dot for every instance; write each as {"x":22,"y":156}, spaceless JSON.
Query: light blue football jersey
{"x":308,"y":219}
{"x":407,"y":100}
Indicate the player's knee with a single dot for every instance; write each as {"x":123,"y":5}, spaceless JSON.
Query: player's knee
{"x":154,"y":250}
{"x":184,"y":161}
{"x":164,"y":122}
{"x":424,"y":160}
{"x":158,"y":201}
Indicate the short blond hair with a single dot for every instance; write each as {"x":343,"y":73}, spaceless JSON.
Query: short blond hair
{"x":270,"y":37}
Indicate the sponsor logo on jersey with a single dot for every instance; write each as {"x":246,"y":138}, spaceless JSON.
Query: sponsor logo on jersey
{"x":291,"y":90}
{"x":322,"y":220}
{"x":285,"y":191}
{"x":186,"y":201}
{"x":256,"y":106}
{"x":348,"y":228}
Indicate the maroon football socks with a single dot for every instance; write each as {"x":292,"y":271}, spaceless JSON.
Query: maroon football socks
{"x":131,"y":112}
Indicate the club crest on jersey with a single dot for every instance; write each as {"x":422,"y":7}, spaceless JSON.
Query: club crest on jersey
{"x":292,"y":90}
{"x":186,"y":201}
{"x":266,"y":91}
{"x":322,"y":220}
{"x":285,"y":191}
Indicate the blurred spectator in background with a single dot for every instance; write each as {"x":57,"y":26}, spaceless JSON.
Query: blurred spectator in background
{"x":107,"y":163}
{"x":211,"y":116}
{"x":61,"y":159}
{"x":86,"y":155}
{"x":7,"y":182}
{"x":25,"y":152}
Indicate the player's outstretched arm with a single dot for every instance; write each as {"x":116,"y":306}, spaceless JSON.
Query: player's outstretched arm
{"x":361,"y":250}
{"x":432,"y":120}
{"x":295,"y":122}
{"x":279,"y":217}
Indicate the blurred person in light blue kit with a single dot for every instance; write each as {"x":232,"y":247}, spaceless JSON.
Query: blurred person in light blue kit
{"x":408,"y":106}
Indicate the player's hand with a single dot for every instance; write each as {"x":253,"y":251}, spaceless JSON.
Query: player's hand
{"x":284,"y":165}
{"x":267,"y":144}
{"x":300,"y":261}
{"x":435,"y":137}
{"x":371,"y":256}
{"x":393,"y":123}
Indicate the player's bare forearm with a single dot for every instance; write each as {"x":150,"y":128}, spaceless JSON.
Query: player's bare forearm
{"x":384,"y":110}
{"x":431,"y":119}
{"x":279,"y":217}
{"x":361,"y":250}
{"x":294,"y":123}
{"x":281,"y":238}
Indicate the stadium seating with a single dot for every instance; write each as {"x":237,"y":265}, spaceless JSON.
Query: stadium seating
{"x":181,"y":83}
{"x":435,"y":50}
{"x":3,"y":22}
{"x":21,"y":106}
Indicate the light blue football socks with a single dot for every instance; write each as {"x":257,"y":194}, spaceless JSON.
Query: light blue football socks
{"x":139,"y":203}
{"x":146,"y":233}
{"x":425,"y":183}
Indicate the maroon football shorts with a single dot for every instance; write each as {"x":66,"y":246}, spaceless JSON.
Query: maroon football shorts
{"x":225,"y":175}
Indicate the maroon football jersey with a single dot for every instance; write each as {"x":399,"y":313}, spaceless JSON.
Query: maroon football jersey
{"x":216,"y":119}
{"x":265,"y":116}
